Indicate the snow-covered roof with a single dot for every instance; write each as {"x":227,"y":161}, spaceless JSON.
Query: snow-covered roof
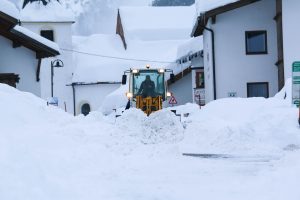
{"x":203,"y":6}
{"x":157,"y":23}
{"x":37,"y":37}
{"x":52,"y":12}
{"x":92,"y":68}
{"x":9,"y":9}
{"x":89,"y":68}
{"x":192,"y":46}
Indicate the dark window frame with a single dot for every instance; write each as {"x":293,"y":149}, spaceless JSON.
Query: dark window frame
{"x":82,"y":109}
{"x":266,"y":43}
{"x":197,"y":79}
{"x":255,"y":83}
{"x":53,"y":38}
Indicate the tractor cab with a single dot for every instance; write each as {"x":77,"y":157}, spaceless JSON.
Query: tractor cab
{"x":147,"y":88}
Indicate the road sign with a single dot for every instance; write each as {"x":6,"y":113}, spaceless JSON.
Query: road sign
{"x":199,"y":96}
{"x":172,"y":100}
{"x":296,"y":84}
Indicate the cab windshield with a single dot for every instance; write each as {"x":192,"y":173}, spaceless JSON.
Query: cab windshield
{"x":148,"y":83}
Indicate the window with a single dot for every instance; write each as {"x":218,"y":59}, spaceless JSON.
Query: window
{"x":49,"y":34}
{"x":156,"y":77}
{"x":256,"y":42}
{"x":200,"y":79}
{"x":85,"y":109}
{"x":258,"y":89}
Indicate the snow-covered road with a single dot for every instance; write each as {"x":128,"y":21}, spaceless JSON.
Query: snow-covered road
{"x":48,"y":154}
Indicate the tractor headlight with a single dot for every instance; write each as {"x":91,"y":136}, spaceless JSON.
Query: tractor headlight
{"x":161,"y":70}
{"x":135,"y":71}
{"x":169,"y":94}
{"x":129,"y":95}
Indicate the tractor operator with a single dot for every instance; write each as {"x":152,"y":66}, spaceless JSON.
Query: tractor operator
{"x":147,"y":87}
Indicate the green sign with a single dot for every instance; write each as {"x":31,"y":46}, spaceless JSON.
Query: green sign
{"x":296,"y":67}
{"x":296,"y":83}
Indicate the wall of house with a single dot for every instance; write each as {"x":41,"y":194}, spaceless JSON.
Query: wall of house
{"x":21,"y":61}
{"x":291,"y":34}
{"x":83,"y":95}
{"x":208,"y":64}
{"x":62,"y":76}
{"x":182,"y":90}
{"x":234,"y":69}
{"x":195,"y":63}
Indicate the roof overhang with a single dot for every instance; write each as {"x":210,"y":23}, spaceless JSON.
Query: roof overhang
{"x":204,"y":17}
{"x":7,"y":23}
{"x":47,"y":22}
{"x":42,"y":50}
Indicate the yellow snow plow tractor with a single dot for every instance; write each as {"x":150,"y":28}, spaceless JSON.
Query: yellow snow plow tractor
{"x":147,"y":88}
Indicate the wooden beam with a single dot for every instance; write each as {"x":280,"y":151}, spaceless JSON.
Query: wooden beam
{"x":38,"y":69}
{"x":16,"y":44}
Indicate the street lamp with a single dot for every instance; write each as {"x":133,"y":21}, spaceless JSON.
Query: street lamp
{"x":56,"y":63}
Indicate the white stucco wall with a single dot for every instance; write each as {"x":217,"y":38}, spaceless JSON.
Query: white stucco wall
{"x":291,"y":34}
{"x":21,"y":61}
{"x":62,"y":76}
{"x":93,"y":95}
{"x":234,"y":69}
{"x":182,"y":90}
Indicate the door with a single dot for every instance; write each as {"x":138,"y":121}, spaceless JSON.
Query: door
{"x":258,"y":89}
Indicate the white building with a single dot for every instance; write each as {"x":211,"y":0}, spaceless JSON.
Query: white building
{"x":51,"y":20}
{"x":21,"y":52}
{"x":190,"y":72}
{"x":145,"y":35}
{"x":241,"y":48}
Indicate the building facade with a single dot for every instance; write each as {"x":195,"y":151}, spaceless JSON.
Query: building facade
{"x":240,"y":49}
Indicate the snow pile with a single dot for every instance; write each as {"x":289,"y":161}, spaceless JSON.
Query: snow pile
{"x":116,"y":99}
{"x":46,"y":153}
{"x":36,"y":37}
{"x":160,"y":127}
{"x":242,"y":126}
{"x":52,"y":12}
{"x":9,"y":9}
{"x":286,"y":91}
{"x":157,"y":23}
{"x":203,"y":6}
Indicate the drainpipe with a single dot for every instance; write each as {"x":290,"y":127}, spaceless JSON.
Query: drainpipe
{"x":213,"y":57}
{"x":74,"y":99}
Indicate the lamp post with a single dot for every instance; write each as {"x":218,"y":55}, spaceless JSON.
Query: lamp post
{"x":56,"y":63}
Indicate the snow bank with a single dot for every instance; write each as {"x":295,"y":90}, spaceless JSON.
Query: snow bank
{"x":286,"y":91}
{"x":52,"y":12}
{"x":242,"y":126}
{"x":46,"y":153}
{"x":117,"y":99}
{"x":36,"y":37}
{"x":9,"y":9}
{"x":160,"y":127}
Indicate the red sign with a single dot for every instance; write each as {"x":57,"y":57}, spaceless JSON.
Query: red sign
{"x":172,"y":100}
